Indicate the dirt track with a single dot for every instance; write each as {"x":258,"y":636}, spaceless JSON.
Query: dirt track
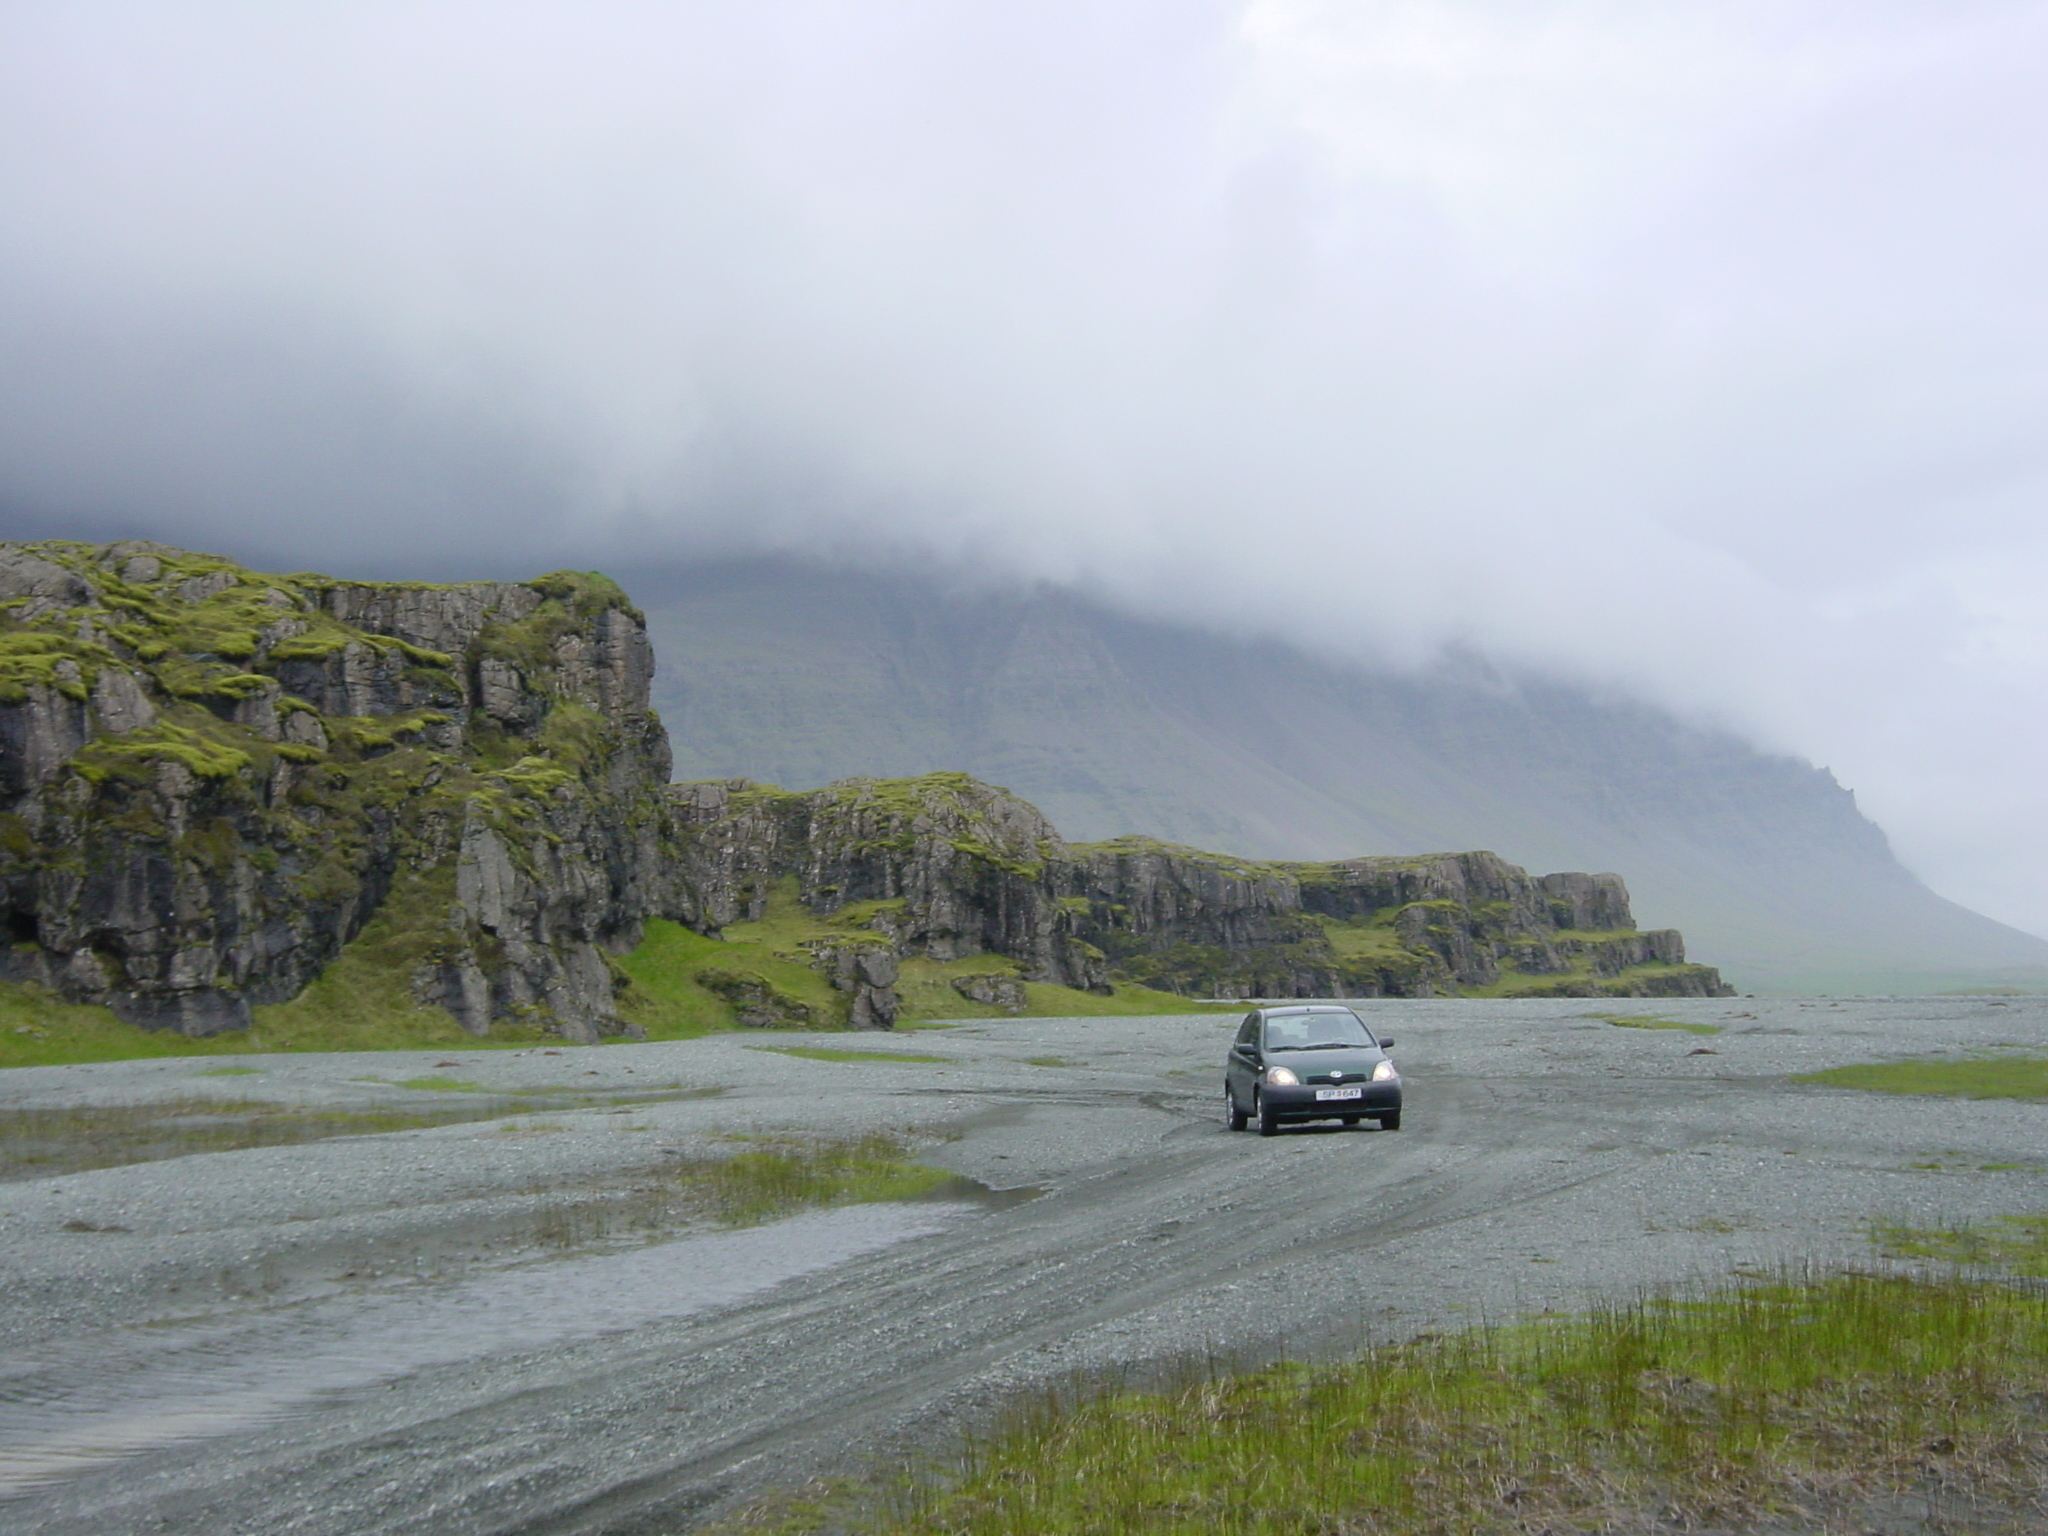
{"x":394,"y":1334}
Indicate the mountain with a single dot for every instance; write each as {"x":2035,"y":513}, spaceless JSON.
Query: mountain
{"x":799,"y":674}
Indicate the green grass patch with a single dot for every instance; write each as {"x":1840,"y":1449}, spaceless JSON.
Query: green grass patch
{"x":926,"y":986}
{"x":663,"y":997}
{"x":2014,"y":1245}
{"x":232,"y":1072}
{"x":1798,"y":1404}
{"x":826,"y":1053}
{"x":441,"y":1085}
{"x":684,"y":984}
{"x":1982,"y":1077}
{"x":1654,"y":1021}
{"x":786,"y":923}
{"x":37,"y":1030}
{"x":1369,"y":940}
{"x":1047,"y":1061}
{"x":778,"y":1176}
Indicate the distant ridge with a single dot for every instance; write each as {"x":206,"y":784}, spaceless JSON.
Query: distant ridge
{"x":799,"y":674}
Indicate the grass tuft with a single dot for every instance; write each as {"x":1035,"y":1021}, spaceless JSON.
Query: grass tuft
{"x":777,"y":1176}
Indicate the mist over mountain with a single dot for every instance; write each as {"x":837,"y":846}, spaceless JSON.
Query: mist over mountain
{"x":799,"y":674}
{"x":1688,"y":353}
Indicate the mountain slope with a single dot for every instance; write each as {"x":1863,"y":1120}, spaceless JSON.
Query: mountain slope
{"x":799,"y":675}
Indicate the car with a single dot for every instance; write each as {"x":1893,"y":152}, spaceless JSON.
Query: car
{"x":1312,"y":1061}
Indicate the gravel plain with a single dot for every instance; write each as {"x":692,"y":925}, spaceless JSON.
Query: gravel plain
{"x":434,"y":1330}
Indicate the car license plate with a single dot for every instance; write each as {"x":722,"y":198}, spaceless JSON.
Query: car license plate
{"x":1340,"y":1093}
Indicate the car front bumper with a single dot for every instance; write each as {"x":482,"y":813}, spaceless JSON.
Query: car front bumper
{"x":1301,"y":1103}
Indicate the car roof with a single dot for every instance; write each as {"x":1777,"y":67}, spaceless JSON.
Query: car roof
{"x":1308,"y":1008}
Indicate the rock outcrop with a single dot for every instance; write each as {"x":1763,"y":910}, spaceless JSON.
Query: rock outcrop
{"x":210,"y":779}
{"x":1435,"y":925}
{"x":945,"y":867}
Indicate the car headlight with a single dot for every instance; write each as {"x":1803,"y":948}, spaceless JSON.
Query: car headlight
{"x":1281,"y":1077}
{"x":1385,"y":1073}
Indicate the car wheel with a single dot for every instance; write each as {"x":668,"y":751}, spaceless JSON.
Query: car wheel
{"x":1269,"y":1123}
{"x":1391,"y":1122}
{"x":1233,"y":1118}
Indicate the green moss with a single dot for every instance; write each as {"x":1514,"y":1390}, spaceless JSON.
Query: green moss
{"x":39,"y":659}
{"x":576,"y":737}
{"x":379,"y":733}
{"x":16,"y":840}
{"x":586,"y":593}
{"x":204,"y":751}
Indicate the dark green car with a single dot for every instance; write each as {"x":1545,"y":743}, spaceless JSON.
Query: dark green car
{"x":1310,"y":1061}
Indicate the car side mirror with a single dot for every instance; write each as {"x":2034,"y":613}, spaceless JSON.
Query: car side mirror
{"x":1386,"y":1042}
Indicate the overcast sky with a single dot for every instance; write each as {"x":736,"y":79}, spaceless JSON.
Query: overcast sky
{"x":1696,"y":349}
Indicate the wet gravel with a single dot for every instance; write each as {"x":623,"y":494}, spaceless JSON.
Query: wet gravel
{"x":1547,"y":1157}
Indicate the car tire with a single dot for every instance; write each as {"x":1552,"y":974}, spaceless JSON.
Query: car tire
{"x":1391,"y":1122}
{"x":1233,"y":1118}
{"x":1350,"y":1120}
{"x":1269,"y":1123}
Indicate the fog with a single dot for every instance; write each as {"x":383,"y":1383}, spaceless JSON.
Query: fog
{"x":1693,"y":350}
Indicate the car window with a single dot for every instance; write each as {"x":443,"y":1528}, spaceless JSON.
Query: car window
{"x":1248,"y":1030}
{"x":1306,"y":1031}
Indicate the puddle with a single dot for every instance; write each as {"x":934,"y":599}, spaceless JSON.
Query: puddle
{"x":66,"y":1409}
{"x":961,"y":1190}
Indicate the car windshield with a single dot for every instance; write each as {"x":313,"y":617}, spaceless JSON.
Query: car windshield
{"x":1315,"y":1032}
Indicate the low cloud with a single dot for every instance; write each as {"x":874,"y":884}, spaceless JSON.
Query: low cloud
{"x":1692,"y":349}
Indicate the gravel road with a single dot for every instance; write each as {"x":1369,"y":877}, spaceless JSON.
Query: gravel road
{"x":423,"y":1331}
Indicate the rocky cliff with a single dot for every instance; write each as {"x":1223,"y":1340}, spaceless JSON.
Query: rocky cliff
{"x":1436,"y":925}
{"x":212,"y":779}
{"x":946,"y":868}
